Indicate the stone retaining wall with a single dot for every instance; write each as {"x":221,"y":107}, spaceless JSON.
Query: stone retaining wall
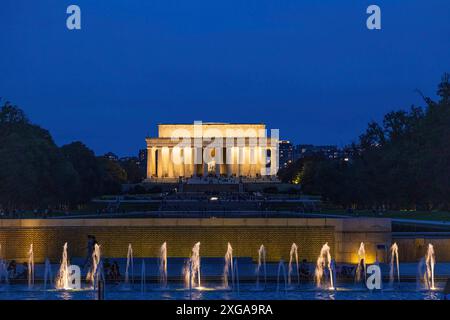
{"x":146,"y":235}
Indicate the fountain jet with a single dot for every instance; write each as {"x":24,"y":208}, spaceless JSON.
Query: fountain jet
{"x":192,"y":268}
{"x":228,"y":266}
{"x":361,"y":263}
{"x":99,"y":278}
{"x":394,"y":264}
{"x":281,"y":270}
{"x":130,"y":263}
{"x":163,"y":265}
{"x":63,"y":277}
{"x":324,"y":261}
{"x":293,"y":254}
{"x":30,"y":267}
{"x":90,"y":277}
{"x":430,"y":262}
{"x":421,"y":273}
{"x":261,"y":264}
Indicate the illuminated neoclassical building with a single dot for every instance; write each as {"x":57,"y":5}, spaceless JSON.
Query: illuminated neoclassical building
{"x":212,"y":149}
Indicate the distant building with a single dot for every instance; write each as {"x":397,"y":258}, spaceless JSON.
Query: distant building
{"x":167,"y":160}
{"x":142,"y":156}
{"x":303,"y":150}
{"x":286,"y":153}
{"x":327,"y":151}
{"x":130,"y":159}
{"x":348,"y":154}
{"x":111,"y":156}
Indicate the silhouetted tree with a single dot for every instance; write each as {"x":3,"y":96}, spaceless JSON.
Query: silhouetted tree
{"x":135,"y":174}
{"x":88,"y":168}
{"x":112,"y":176}
{"x":402,"y":163}
{"x":33,"y":171}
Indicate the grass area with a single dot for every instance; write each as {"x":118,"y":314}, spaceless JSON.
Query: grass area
{"x":414,"y":215}
{"x":88,"y":209}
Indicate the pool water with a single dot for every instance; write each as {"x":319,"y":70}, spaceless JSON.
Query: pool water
{"x":213,"y":291}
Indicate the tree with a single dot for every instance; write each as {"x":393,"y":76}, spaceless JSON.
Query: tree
{"x":135,"y":174}
{"x":10,"y":114}
{"x":402,"y":163}
{"x":112,"y":176}
{"x":33,"y":171}
{"x":88,"y":168}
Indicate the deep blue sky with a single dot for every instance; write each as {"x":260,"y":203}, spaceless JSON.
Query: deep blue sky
{"x":309,"y":68}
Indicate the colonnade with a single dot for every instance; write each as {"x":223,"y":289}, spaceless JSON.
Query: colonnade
{"x":174,"y":161}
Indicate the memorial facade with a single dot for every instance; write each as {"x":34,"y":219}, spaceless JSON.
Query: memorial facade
{"x":212,"y":149}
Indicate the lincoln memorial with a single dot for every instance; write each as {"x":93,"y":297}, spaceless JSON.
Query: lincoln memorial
{"x":212,"y":149}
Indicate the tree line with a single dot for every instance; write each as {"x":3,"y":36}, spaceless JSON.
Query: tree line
{"x":36,"y":173}
{"x":401,"y":163}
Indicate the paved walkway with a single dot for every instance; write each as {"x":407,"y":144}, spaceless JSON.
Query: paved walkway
{"x":423,"y":222}
{"x":414,"y":221}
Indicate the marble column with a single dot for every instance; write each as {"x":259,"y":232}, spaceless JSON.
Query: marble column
{"x":248,"y":161}
{"x":204,"y":165}
{"x":187,"y":161}
{"x":236,"y":161}
{"x":194,"y":164}
{"x":170,"y":164}
{"x":149,"y":162}
{"x":240,"y":161}
{"x":261,"y":161}
{"x":159,"y":162}
{"x":254,"y":160}
{"x":181,"y":160}
{"x":218,"y":158}
{"x":153,"y":161}
{"x":229,"y":161}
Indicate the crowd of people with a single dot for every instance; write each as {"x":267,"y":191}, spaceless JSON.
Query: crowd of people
{"x":111,"y":270}
{"x":15,"y":271}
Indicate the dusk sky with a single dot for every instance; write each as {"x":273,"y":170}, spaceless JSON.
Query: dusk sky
{"x":309,"y":68}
